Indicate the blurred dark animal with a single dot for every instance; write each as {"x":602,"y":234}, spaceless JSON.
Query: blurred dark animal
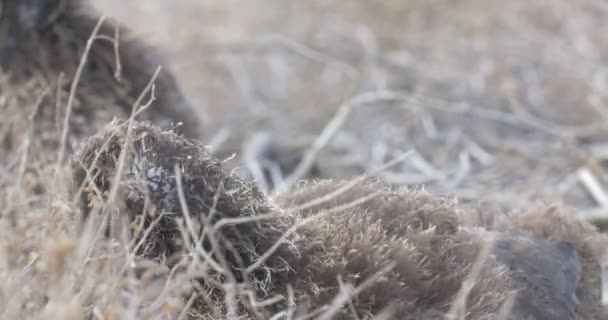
{"x":545,"y":273}
{"x":41,"y":45}
{"x":417,"y":248}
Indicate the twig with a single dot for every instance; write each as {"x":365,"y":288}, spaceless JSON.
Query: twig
{"x":458,"y":307}
{"x":351,"y":184}
{"x":593,"y":186}
{"x":118,"y":71}
{"x":184,"y":314}
{"x":253,"y":151}
{"x":305,"y":221}
{"x":546,"y":126}
{"x":126,"y":146}
{"x":332,"y":127}
{"x":71,"y":97}
{"x":26,"y":144}
{"x":345,"y":295}
{"x":310,"y":53}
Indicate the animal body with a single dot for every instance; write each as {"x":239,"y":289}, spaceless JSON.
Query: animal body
{"x":384,"y":249}
{"x":42,"y":44}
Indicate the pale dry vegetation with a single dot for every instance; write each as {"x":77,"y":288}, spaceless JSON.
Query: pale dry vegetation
{"x":501,"y":100}
{"x":500,"y":104}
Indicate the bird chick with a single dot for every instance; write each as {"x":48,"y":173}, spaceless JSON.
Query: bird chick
{"x":338,"y":249}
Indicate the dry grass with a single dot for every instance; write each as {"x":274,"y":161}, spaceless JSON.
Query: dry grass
{"x":501,"y":101}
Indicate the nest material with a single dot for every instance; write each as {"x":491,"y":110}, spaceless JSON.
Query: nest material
{"x":423,"y":237}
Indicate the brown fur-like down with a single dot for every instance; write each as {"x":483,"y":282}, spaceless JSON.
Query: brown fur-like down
{"x":41,"y":45}
{"x":553,"y":259}
{"x":414,"y":246}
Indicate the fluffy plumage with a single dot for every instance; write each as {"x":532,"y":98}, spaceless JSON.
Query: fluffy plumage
{"x":348,"y":238}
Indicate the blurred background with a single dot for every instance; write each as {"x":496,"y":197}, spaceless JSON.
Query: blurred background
{"x":503,"y":102}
